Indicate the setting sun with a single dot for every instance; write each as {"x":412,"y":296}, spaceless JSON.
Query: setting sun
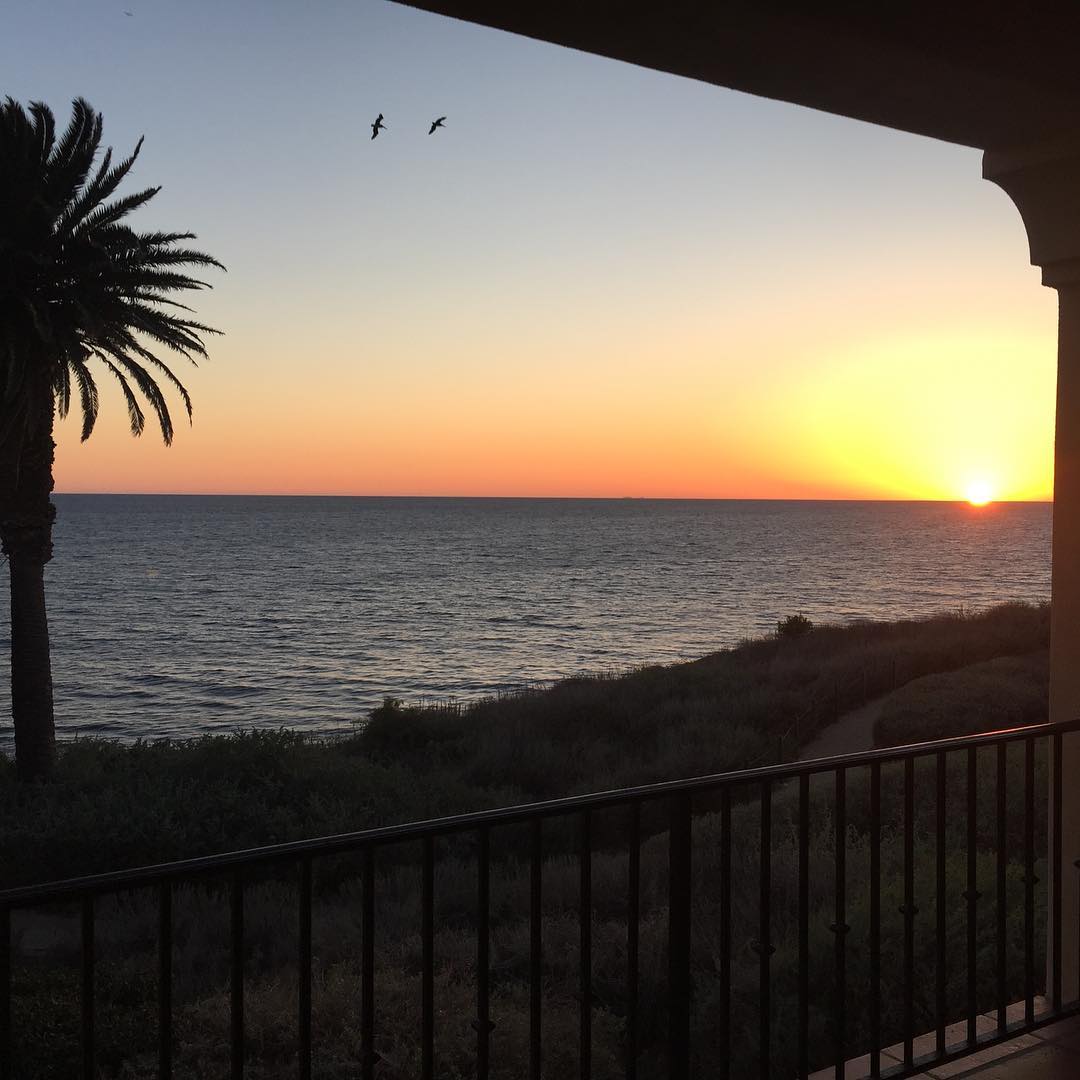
{"x":979,"y":493}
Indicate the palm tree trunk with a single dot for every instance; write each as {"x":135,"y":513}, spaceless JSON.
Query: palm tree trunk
{"x":26,"y":517}
{"x":31,"y":673}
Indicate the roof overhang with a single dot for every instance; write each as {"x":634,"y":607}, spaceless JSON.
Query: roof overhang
{"x":988,"y":75}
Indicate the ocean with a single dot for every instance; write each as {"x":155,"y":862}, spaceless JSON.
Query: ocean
{"x":180,"y":615}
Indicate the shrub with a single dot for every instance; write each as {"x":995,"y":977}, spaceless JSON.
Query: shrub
{"x":794,"y":626}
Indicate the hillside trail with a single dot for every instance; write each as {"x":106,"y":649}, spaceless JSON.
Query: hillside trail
{"x":850,"y":734}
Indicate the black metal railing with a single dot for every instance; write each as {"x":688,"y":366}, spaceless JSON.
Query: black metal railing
{"x":771,"y":891}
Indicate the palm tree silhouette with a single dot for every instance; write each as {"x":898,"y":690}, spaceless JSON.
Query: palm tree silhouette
{"x":77,"y":285}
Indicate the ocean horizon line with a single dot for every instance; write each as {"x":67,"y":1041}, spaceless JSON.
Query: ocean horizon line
{"x":541,"y":498}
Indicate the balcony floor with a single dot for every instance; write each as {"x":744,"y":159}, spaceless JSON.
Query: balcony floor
{"x":1051,"y":1053}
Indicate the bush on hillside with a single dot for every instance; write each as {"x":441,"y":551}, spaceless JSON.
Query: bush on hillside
{"x":794,"y":626}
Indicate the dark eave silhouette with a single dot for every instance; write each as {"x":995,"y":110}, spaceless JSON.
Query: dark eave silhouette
{"x":985,"y":75}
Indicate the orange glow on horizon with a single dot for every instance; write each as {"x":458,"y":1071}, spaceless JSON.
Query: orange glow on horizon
{"x":870,"y":417}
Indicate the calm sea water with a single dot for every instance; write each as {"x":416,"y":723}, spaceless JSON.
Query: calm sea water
{"x":174,"y":615}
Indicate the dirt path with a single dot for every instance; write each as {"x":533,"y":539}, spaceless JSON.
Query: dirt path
{"x":852,"y":733}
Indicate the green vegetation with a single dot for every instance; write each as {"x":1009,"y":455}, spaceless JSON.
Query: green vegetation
{"x":794,"y":626}
{"x":1009,"y":691}
{"x":113,"y":805}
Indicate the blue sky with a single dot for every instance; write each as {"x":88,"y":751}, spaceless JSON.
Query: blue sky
{"x":586,"y":254}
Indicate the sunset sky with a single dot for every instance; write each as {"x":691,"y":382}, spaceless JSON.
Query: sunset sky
{"x":596,"y":281}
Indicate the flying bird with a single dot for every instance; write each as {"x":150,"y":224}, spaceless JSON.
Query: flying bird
{"x":129,"y":13}
{"x":377,"y":126}
{"x":436,"y":124}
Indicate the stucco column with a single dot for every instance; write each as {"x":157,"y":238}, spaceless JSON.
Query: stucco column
{"x":1044,"y":183}
{"x":1065,"y":617}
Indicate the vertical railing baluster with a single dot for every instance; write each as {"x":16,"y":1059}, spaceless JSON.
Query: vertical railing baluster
{"x":723,"y":1021}
{"x":765,"y":932}
{"x":427,"y":938}
{"x":939,"y":890}
{"x":1029,"y":880}
{"x":840,"y":927}
{"x":1002,"y":857}
{"x":1055,"y":872}
{"x":909,"y":912}
{"x":536,"y":947}
{"x":971,"y":895}
{"x":633,"y":929}
{"x":87,"y":995}
{"x":236,"y":976}
{"x":6,"y":1048}
{"x":875,"y":918}
{"x":368,"y":1057}
{"x":303,"y":985}
{"x":483,"y":959}
{"x":679,"y":898}
{"x":585,"y":949}
{"x":804,"y":925}
{"x":165,"y":976}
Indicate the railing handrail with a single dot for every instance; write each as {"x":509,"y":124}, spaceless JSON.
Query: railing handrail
{"x":121,"y":880}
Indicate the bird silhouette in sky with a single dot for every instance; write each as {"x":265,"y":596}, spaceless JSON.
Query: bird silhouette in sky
{"x":377,"y":126}
{"x":130,"y":13}
{"x":436,"y":124}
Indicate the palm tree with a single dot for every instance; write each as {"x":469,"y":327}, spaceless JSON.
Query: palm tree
{"x":80,"y":293}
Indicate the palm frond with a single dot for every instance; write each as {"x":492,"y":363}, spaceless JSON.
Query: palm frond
{"x":62,"y":390}
{"x":153,"y":257}
{"x":105,"y":215}
{"x":88,"y":398}
{"x":135,"y":413}
{"x":152,"y":296}
{"x":44,"y":128}
{"x":73,"y":156}
{"x":98,"y":190}
{"x":87,"y":198}
{"x":63,"y":151}
{"x":121,"y":278}
{"x":18,"y":130}
{"x":150,"y":390}
{"x":89,"y":288}
{"x":163,"y":238}
{"x":180,"y":335}
{"x":150,"y":249}
{"x":170,"y":377}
